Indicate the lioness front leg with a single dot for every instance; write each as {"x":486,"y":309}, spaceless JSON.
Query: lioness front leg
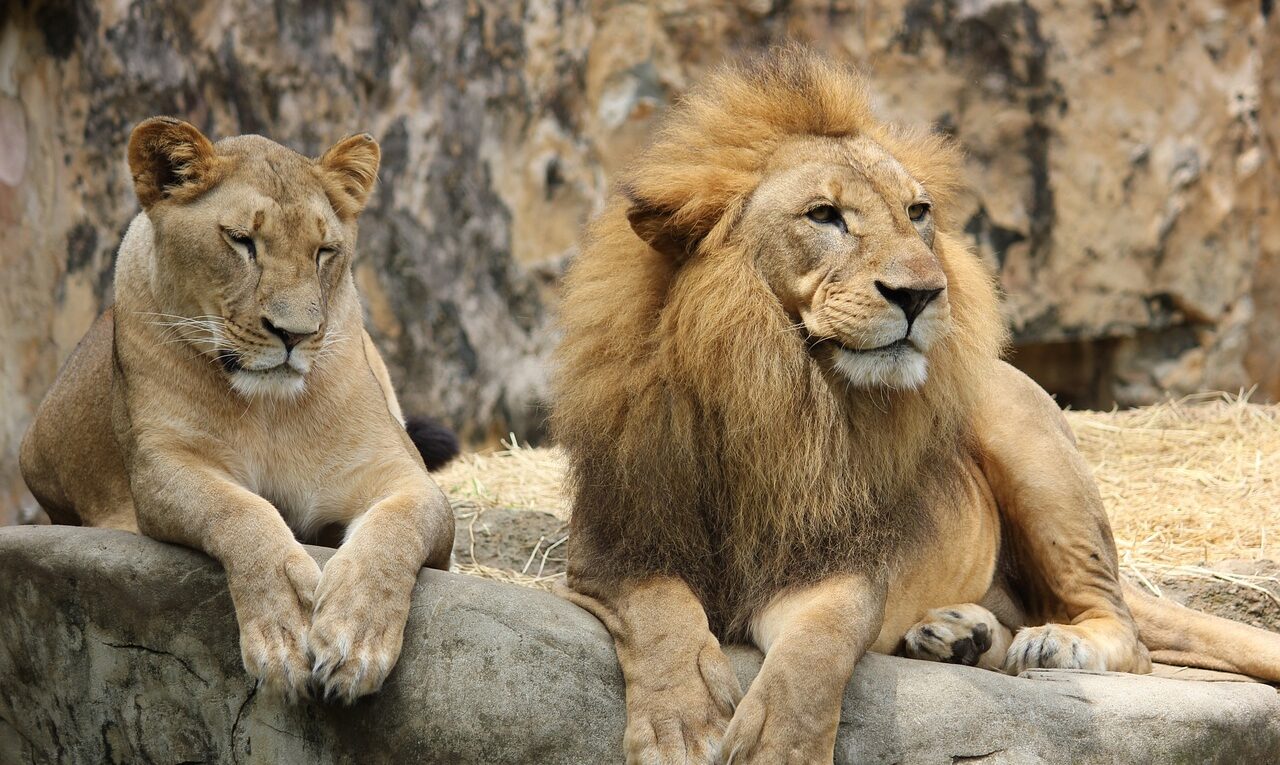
{"x":680,"y":688}
{"x":362,"y":600}
{"x":181,"y":498}
{"x":812,"y":638}
{"x":1067,"y":568}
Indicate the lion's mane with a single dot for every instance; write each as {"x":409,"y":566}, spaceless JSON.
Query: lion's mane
{"x":704,"y":439}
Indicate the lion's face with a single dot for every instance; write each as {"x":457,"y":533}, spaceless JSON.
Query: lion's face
{"x":247,"y":270}
{"x":846,"y":243}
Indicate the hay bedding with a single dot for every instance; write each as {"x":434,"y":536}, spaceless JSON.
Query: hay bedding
{"x":1188,"y":484}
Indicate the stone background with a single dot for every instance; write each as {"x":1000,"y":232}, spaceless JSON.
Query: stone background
{"x":1123,"y":155}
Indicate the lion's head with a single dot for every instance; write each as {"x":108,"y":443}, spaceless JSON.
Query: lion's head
{"x":844,"y":238}
{"x":772,"y":328}
{"x":252,"y":243}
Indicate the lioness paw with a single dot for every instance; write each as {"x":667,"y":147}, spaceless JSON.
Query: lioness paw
{"x":273,"y":615}
{"x":962,"y":634}
{"x":274,"y":651}
{"x":1052,"y":646}
{"x":357,"y":629}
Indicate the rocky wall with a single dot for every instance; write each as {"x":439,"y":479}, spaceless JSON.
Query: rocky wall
{"x":1122,"y":156}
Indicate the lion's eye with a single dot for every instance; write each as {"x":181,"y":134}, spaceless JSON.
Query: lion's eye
{"x":245,"y":242}
{"x":323,"y":254}
{"x":918,"y":211}
{"x":827,"y":215}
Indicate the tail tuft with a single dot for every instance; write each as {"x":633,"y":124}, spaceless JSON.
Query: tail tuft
{"x":436,"y":443}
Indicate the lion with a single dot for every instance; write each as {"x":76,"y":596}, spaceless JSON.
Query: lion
{"x":231,"y":398}
{"x":781,"y":394}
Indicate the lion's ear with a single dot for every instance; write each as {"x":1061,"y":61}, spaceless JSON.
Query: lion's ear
{"x":659,"y":228}
{"x":352,"y":166}
{"x":170,"y":159}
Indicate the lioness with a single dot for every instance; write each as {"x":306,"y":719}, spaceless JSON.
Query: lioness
{"x":232,"y":397}
{"x":788,"y":423}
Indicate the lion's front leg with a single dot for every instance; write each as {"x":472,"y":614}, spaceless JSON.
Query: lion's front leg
{"x":362,"y":599}
{"x":1067,"y":569}
{"x":812,"y":638}
{"x":681,"y":690}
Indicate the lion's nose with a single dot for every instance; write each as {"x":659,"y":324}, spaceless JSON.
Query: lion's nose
{"x":911,"y":301}
{"x":290,"y":337}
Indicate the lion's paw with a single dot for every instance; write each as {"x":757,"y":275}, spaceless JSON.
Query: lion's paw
{"x":768,"y":729}
{"x":357,"y":629}
{"x":682,"y":719}
{"x":962,"y":634}
{"x":1052,"y":646}
{"x":684,"y":737}
{"x":273,"y":615}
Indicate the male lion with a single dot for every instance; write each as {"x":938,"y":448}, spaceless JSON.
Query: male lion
{"x":231,"y":396}
{"x":788,"y":423}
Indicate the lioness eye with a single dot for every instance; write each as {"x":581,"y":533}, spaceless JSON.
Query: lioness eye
{"x":826,"y":214}
{"x":245,"y":242}
{"x":917,"y":211}
{"x":323,"y":254}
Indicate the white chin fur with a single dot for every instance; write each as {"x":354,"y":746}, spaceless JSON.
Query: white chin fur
{"x":273,"y":383}
{"x":898,"y":368}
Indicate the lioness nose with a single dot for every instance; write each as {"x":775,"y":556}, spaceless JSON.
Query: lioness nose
{"x":911,"y":301}
{"x":290,"y":338}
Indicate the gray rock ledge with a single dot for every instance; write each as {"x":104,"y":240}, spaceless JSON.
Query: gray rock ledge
{"x":118,"y":649}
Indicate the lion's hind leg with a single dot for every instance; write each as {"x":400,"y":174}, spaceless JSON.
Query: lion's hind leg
{"x":961,"y":634}
{"x":1181,"y":636}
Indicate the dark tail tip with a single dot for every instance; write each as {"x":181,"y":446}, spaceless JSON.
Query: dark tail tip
{"x":436,"y":443}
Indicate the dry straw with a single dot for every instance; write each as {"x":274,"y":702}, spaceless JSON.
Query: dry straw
{"x":1188,"y":484}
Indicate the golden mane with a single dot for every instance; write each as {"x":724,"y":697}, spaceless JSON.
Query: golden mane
{"x":704,"y":439}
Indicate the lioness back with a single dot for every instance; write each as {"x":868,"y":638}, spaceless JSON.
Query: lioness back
{"x":70,"y":458}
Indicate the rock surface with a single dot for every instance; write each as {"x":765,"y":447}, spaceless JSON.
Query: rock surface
{"x":118,"y":649}
{"x":1122,"y":159}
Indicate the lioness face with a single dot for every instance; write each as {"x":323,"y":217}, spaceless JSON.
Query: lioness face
{"x":248,"y":268}
{"x":848,"y":250}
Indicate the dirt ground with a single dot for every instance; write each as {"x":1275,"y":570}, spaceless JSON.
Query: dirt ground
{"x":1253,"y":600}
{"x":525,"y":542}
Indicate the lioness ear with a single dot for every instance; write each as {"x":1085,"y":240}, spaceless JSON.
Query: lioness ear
{"x":655,"y":226}
{"x":170,"y":158}
{"x":352,"y":165}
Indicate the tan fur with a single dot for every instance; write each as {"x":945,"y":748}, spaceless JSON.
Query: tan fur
{"x":765,"y":436}
{"x":185,"y":414}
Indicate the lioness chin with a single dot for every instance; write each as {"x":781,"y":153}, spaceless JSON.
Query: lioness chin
{"x":787,"y":422}
{"x":231,"y":398}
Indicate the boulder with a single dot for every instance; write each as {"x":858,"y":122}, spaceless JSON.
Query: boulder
{"x":119,"y":649}
{"x":1122,"y":159}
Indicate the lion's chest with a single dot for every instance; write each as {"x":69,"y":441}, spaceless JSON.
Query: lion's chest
{"x":956,"y":564}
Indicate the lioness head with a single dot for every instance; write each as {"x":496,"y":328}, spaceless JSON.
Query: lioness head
{"x":252,"y":243}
